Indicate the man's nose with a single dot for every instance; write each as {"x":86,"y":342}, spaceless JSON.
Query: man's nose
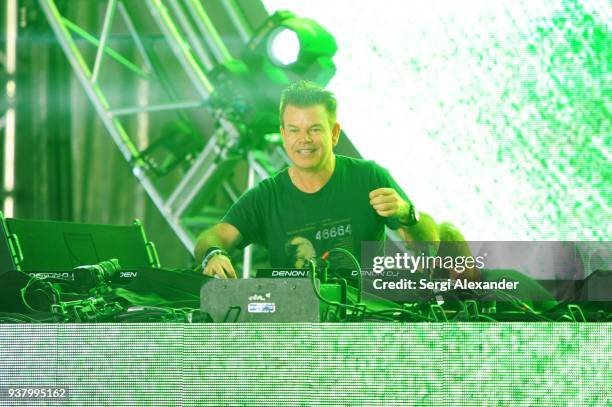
{"x":306,"y":137}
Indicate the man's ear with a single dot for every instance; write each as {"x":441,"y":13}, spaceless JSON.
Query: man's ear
{"x":335,"y":134}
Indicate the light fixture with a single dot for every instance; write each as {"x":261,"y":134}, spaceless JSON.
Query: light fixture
{"x":288,"y":48}
{"x":283,"y":46}
{"x":284,"y":49}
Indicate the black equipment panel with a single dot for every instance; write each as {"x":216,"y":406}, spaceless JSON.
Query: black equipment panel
{"x":260,"y":300}
{"x":37,"y":245}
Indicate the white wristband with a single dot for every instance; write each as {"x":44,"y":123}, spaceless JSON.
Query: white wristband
{"x":212,"y":254}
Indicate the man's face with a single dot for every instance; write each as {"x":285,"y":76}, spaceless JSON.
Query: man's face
{"x":308,"y":136}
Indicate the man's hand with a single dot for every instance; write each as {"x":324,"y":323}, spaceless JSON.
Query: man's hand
{"x":388,"y":203}
{"x":223,"y":236}
{"x":220,"y":266}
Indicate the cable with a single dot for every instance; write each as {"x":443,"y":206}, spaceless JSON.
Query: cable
{"x":54,"y":292}
{"x":486,"y":318}
{"x":516,"y":303}
{"x":10,"y":320}
{"x":147,"y":313}
{"x":355,"y":262}
{"x":564,"y":316}
{"x":519,"y":304}
{"x":359,"y":309}
{"x":18,"y":317}
{"x":24,"y":290}
{"x":379,"y":319}
{"x":402,"y":311}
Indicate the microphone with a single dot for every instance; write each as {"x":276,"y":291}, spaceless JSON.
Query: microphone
{"x":93,"y":275}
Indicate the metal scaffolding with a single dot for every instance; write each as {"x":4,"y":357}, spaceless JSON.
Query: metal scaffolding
{"x":189,"y":33}
{"x":8,"y":63}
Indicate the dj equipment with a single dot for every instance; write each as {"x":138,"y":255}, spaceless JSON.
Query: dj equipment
{"x":260,"y":300}
{"x":331,"y":289}
{"x":597,"y":287}
{"x":41,"y":246}
{"x":54,"y":250}
{"x":98,"y":273}
{"x":282,"y":273}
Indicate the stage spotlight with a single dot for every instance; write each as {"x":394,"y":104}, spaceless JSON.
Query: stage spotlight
{"x":177,"y":144}
{"x":283,"y":50}
{"x":288,"y":48}
{"x":283,"y":46}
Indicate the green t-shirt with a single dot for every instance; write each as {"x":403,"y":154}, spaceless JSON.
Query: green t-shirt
{"x":296,"y":225}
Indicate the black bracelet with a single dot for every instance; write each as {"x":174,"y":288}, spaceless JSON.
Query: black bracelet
{"x":413,"y":216}
{"x":212,"y":252}
{"x":210,"y":249}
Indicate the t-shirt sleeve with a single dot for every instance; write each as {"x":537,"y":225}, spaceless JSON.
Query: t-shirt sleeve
{"x":245,"y":215}
{"x":381,"y":178}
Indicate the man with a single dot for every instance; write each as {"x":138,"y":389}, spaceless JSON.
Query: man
{"x":321,"y":201}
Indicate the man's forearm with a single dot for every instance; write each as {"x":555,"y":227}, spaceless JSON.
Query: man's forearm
{"x":205,"y":241}
{"x":425,"y":230}
{"x":222,"y":235}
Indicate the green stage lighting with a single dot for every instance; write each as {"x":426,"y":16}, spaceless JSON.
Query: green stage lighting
{"x":288,"y":48}
{"x":283,"y":47}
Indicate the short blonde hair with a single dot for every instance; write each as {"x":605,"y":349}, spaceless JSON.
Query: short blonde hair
{"x":306,"y":94}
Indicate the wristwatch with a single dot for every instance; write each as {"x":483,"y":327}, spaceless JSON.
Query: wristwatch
{"x":413,"y":215}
